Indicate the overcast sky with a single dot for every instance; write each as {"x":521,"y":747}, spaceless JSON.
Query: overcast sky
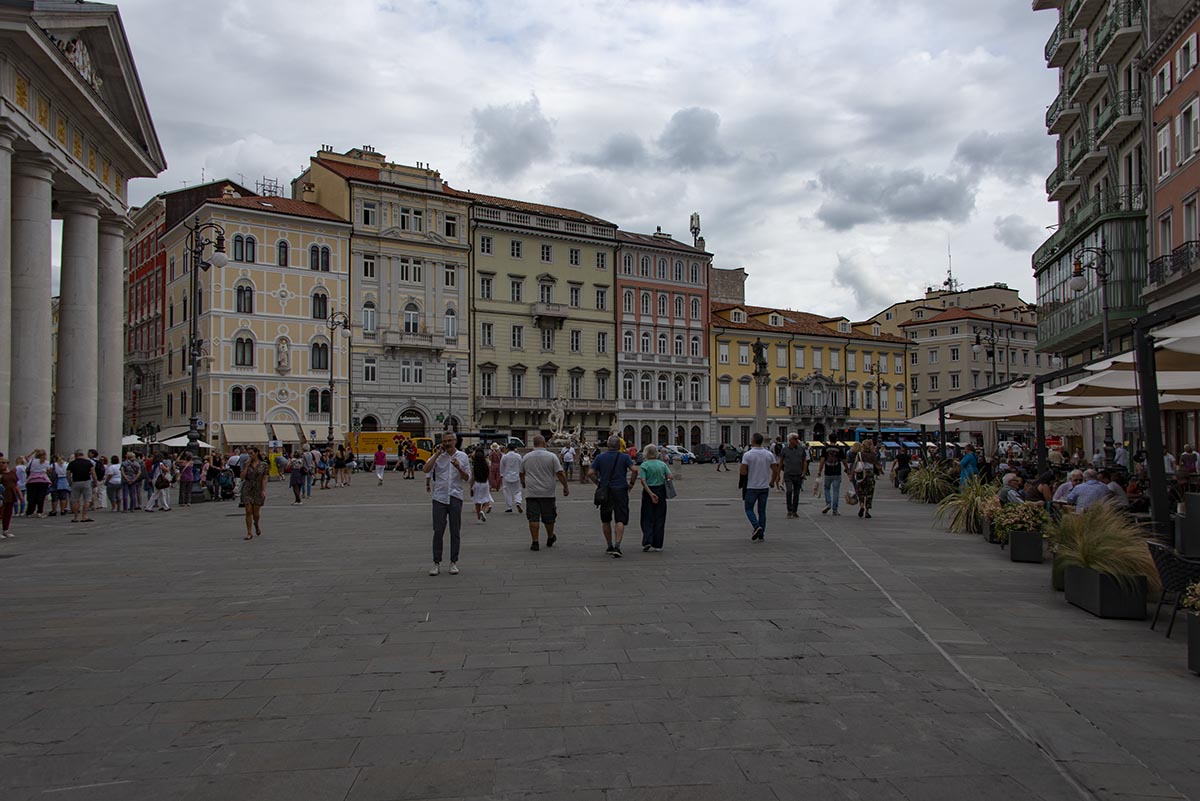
{"x":833,"y":149}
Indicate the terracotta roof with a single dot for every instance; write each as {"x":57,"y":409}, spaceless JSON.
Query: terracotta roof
{"x":278,"y":205}
{"x":522,"y":206}
{"x":961,"y":314}
{"x":355,"y":172}
{"x":652,"y":241}
{"x":794,"y":322}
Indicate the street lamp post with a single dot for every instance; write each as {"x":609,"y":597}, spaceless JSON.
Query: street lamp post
{"x":991,"y":337}
{"x":1101,"y":264}
{"x":335,"y":321}
{"x":197,"y":240}
{"x":679,"y":385}
{"x":879,"y":387}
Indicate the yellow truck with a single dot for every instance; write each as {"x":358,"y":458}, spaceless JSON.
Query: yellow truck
{"x":366,"y":442}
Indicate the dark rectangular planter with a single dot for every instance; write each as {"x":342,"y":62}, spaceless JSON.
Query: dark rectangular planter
{"x":1193,"y":630}
{"x":1187,"y":527}
{"x":1025,"y":546}
{"x":989,"y":532}
{"x":1104,"y":596}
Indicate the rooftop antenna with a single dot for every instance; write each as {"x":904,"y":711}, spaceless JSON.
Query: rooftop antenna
{"x":951,"y":284}
{"x":694,"y":227}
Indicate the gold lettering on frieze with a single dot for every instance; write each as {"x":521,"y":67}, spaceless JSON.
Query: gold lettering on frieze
{"x":60,"y":129}
{"x":23,"y":92}
{"x":43,"y":112}
{"x":92,"y":160}
{"x":104,"y":174}
{"x":78,"y":149}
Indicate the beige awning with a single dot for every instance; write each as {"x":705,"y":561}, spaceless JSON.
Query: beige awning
{"x":245,"y":434}
{"x":289,"y":433}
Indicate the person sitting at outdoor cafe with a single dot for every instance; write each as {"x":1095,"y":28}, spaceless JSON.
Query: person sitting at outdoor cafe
{"x":1119,"y":497}
{"x":1010,"y":489}
{"x":1178,"y":491}
{"x":1041,"y":489}
{"x":1074,"y":479}
{"x":1091,"y":491}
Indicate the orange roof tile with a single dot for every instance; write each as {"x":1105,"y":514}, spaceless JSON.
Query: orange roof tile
{"x":278,"y":205}
{"x":523,"y":206}
{"x":794,"y":322}
{"x":652,"y":241}
{"x":355,"y":172}
{"x":953,"y":314}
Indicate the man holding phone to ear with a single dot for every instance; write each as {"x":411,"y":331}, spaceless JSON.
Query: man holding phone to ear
{"x":446,"y":473}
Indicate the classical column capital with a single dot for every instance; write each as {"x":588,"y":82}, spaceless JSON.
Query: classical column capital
{"x":115,"y":225}
{"x":78,"y":204}
{"x":34,"y":165}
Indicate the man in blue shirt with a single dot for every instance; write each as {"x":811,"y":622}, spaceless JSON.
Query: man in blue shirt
{"x":616,"y":471}
{"x":1091,"y":491}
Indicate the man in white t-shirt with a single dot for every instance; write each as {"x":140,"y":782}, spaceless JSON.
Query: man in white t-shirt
{"x":510,"y":478}
{"x":568,"y":460}
{"x":450,"y":470}
{"x":759,"y":472}
{"x":540,"y":469}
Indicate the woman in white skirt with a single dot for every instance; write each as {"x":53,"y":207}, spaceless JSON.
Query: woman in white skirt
{"x":481,"y":490}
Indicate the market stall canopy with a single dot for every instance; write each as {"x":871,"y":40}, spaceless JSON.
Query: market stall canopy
{"x":1180,"y":354}
{"x":1124,"y":382}
{"x":182,"y":442}
{"x":245,"y":434}
{"x":288,"y":433}
{"x":910,"y":444}
{"x":1165,"y":400}
{"x":1185,"y":328}
{"x":930,"y":419}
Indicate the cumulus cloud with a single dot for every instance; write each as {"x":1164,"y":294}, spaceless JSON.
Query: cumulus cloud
{"x":850,"y":273}
{"x":508,"y":139}
{"x":690,"y":139}
{"x":855,"y":195}
{"x":1014,"y":156}
{"x":1016,"y":233}
{"x":619,"y":151}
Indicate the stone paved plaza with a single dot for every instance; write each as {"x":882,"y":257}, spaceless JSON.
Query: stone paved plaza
{"x":161,"y":657}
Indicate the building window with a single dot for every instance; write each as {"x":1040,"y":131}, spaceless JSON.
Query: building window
{"x":835,"y":360}
{"x":844,"y":327}
{"x":933,"y":382}
{"x":368,"y":317}
{"x":646,"y":346}
{"x":601,"y":261}
{"x":547,"y":253}
{"x":781,"y":397}
{"x":411,"y":270}
{"x":517,"y":382}
{"x":678,"y":308}
{"x":281,"y":253}
{"x":662,"y":305}
{"x":627,"y":386}
{"x":547,"y":339}
{"x":412,"y":319}
{"x":547,"y":385}
{"x":781,"y":356}
{"x":485,"y":287}
{"x":451,"y":323}
{"x":245,"y":299}
{"x":369,"y":213}
{"x":405,"y":371}
{"x":1164,"y":151}
{"x":723,"y":352}
{"x":545,"y":293}
{"x":243,"y":352}
{"x":723,"y":393}
{"x":314,"y":258}
{"x":627,"y":342}
{"x":418,"y":373}
{"x":645,"y":385}
{"x":485,"y":245}
{"x":954,"y":354}
{"x":695,"y":308}
{"x":319,"y":357}
{"x":646,"y":304}
{"x":324,"y":259}
{"x":451,"y":226}
{"x":368,"y":264}
{"x":662,"y":388}
{"x":487,"y":384}
{"x":817,"y":358}
{"x":576,"y":341}
{"x":852,"y":398}
{"x":573,"y":257}
{"x":601,"y":299}
{"x":678,"y":272}
{"x":679,"y":345}
{"x":514,"y":248}
{"x":744,"y":394}
{"x":239,"y":247}
{"x":320,"y":306}
{"x":487,"y":335}
{"x":695,"y":389}
{"x":516,"y":290}
{"x":661,"y":272}
{"x":601,"y":387}
{"x":235,"y":399}
{"x":601,"y":342}
{"x":576,"y":386}
{"x":662,"y":344}
{"x":933,"y":355}
{"x":954,"y":381}
{"x":450,"y":276}
{"x":517,"y":341}
{"x":743,"y":354}
{"x":368,"y":374}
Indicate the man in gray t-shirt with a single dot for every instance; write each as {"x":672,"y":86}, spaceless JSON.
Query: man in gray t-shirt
{"x":539,"y":470}
{"x":794,"y":458}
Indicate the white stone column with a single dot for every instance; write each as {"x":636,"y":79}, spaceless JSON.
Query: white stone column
{"x":29,"y":406}
{"x":110,"y":399}
{"x":6,"y":152}
{"x":78,"y":315}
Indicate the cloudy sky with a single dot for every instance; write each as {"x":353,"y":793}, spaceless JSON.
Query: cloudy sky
{"x":836,"y":150}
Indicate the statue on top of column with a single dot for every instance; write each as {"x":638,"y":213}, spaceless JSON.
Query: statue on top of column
{"x":760,"y":356}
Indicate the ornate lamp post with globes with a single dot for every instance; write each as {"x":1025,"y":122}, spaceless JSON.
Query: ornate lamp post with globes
{"x":1101,"y":264}
{"x":336,"y":320}
{"x":197,"y":240}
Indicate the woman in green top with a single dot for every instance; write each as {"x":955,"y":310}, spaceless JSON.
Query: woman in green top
{"x":654,"y":475}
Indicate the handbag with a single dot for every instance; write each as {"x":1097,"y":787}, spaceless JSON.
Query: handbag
{"x":601,"y":495}
{"x":162,"y":482}
{"x":670,"y":488}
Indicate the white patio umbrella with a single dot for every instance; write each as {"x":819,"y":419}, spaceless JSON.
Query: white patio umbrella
{"x":1124,"y":382}
{"x":182,"y":442}
{"x":931,"y":418}
{"x":131,"y":439}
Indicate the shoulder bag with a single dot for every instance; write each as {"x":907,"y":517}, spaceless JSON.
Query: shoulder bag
{"x":601,"y":496}
{"x":670,"y":488}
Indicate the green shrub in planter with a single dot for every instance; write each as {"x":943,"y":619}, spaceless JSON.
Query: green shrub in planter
{"x":1104,"y":540}
{"x":1019,"y":517}
{"x":929,"y":483}
{"x":968,"y":508}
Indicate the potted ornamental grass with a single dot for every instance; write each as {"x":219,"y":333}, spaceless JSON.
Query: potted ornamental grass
{"x":928,"y":483}
{"x":1191,"y":602}
{"x":1022,"y":527}
{"x":1105,"y":565}
{"x":969,"y":508}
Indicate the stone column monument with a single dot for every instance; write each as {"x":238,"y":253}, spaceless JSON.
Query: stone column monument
{"x":762,"y":380}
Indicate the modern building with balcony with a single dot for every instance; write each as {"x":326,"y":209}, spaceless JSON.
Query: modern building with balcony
{"x":1102,"y":178}
{"x":662,"y":332}
{"x":409,"y":252}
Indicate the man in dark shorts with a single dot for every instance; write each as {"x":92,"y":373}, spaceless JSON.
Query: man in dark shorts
{"x":81,"y":471}
{"x":616,"y":470}
{"x":539,"y":470}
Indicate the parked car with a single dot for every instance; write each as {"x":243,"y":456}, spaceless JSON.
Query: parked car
{"x":707,"y":454}
{"x":673,"y":452}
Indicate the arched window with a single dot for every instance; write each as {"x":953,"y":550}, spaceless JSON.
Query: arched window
{"x":662,"y":344}
{"x":235,"y":399}
{"x":627,"y":342}
{"x":320,"y":306}
{"x":662,"y":305}
{"x":183,"y":402}
{"x":627,"y":301}
{"x":695,"y":308}
{"x":314,"y":401}
{"x":627,"y":264}
{"x":646,"y":348}
{"x":695,"y":347}
{"x":412,"y":319}
{"x":663,"y":384}
{"x":326,"y":403}
{"x":646,"y":303}
{"x":245,"y":299}
{"x":314,"y":258}
{"x":368,"y":317}
{"x":251,"y":399}
{"x":645,"y":266}
{"x":243,"y":352}
{"x":320,"y":356}
{"x":370,"y":423}
{"x":281,"y":253}
{"x":627,"y":386}
{"x":695,"y":389}
{"x":239,"y":247}
{"x":199,"y":301}
{"x":679,"y":308}
{"x":679,"y":345}
{"x":645,"y":386}
{"x":251,"y":246}
{"x":451,"y":323}
{"x":678,"y":272}
{"x":324,"y":259}
{"x":694,"y":273}
{"x":662,"y":268}
{"x":170,"y":313}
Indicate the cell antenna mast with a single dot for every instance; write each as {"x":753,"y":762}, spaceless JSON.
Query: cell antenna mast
{"x":951,"y":283}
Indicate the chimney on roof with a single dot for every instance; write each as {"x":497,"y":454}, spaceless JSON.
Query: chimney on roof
{"x":228,"y":191}
{"x":700,"y":243}
{"x":308,"y":192}
{"x":658,"y":232}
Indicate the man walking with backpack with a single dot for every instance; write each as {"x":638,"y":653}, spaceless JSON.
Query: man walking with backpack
{"x":615,"y":474}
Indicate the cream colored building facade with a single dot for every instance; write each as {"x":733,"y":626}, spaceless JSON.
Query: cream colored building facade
{"x":937,"y":300}
{"x":409,"y":252}
{"x":266,"y":353}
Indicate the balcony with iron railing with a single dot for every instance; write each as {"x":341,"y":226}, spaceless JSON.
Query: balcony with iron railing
{"x":1061,"y":183}
{"x":1119,"y":32}
{"x":1046,"y":5}
{"x":819,"y":412}
{"x":1061,"y":46}
{"x":1085,"y":78}
{"x":414,"y":340}
{"x":1061,"y":115}
{"x":1168,"y":269}
{"x":1093,"y":156}
{"x":495,"y":403}
{"x":1119,"y":119}
{"x":1082,"y":13}
{"x":1115,"y":202}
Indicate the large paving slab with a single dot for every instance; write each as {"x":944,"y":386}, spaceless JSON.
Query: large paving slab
{"x":159,"y":656}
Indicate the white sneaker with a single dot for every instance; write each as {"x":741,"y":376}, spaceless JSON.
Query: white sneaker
{"x":433,"y":571}
{"x":454,"y":568}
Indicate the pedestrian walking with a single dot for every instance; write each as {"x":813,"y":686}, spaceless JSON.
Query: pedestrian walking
{"x":793,"y":462}
{"x":60,"y":485}
{"x":11,"y":498}
{"x":568,"y":460}
{"x":722,"y":457}
{"x":446,"y":473}
{"x":830,"y":467}
{"x":495,"y":480}
{"x":339,"y":468}
{"x":410,"y":459}
{"x":585,"y":463}
{"x":481,"y":484}
{"x":296,"y":477}
{"x":81,"y":472}
{"x":254,"y":490}
{"x":866,"y":468}
{"x":311,"y":459}
{"x":131,"y":482}
{"x":615,"y":474}
{"x":380,"y":463}
{"x":22,"y":471}
{"x":539,"y":470}
{"x":510,"y":476}
{"x":760,"y":469}
{"x":99,"y":465}
{"x":160,"y":478}
{"x":112,"y":483}
{"x":968,"y":465}
{"x":654,"y":475}
{"x":186,"y":470}
{"x":37,"y":483}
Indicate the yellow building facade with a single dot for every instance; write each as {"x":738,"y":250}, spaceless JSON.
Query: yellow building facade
{"x":828,"y":376}
{"x":266,"y":353}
